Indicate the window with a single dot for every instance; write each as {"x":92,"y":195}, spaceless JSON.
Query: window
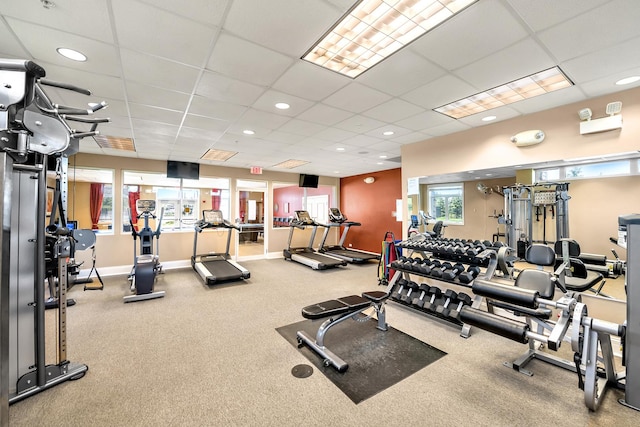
{"x":446,"y":203}
{"x":182,"y":200}
{"x":90,"y":198}
{"x":288,"y":198}
{"x":586,"y":170}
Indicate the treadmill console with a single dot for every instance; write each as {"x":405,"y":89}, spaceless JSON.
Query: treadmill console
{"x":145,"y":206}
{"x":335,"y":215}
{"x":213,"y":217}
{"x":303,"y":217}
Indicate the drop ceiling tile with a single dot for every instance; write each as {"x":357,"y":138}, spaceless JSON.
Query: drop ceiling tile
{"x":501,"y":113}
{"x":379,"y":132}
{"x":301,"y":127}
{"x":325,"y":115}
{"x":356,"y":98}
{"x":310,"y":81}
{"x":572,"y":39}
{"x":210,"y":135}
{"x":361,"y":141}
{"x":334,"y":134}
{"x":268,"y":100}
{"x":411,"y":138}
{"x":68,"y":14}
{"x":203,"y":106}
{"x":156,"y":97}
{"x":151,"y":30}
{"x":359,"y":124}
{"x":393,"y":110}
{"x":524,"y":58}
{"x":158,"y":72}
{"x":603,"y":86}
{"x":210,"y":12}
{"x":405,"y":71}
{"x":473,"y":35}
{"x":440,"y":92}
{"x":272,"y":23}
{"x":205,"y":123}
{"x":447,"y":128}
{"x":154,"y":128}
{"x":42,"y":42}
{"x":11,"y":47}
{"x":283,"y":137}
{"x":542,"y":14}
{"x":162,"y":115}
{"x":240,"y":59}
{"x":221,"y":88}
{"x":261,"y":121}
{"x":423,"y":120}
{"x":589,"y":67}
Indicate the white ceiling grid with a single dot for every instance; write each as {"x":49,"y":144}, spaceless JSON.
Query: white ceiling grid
{"x":183,"y":77}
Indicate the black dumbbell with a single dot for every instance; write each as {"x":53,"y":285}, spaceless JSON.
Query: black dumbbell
{"x":399,"y":287}
{"x":472,"y":272}
{"x":435,"y":293}
{"x":437,"y":271}
{"x":411,"y":287}
{"x":462,"y":300}
{"x":425,"y":267}
{"x":424,"y":291}
{"x":451,"y":273}
{"x":450,"y":296}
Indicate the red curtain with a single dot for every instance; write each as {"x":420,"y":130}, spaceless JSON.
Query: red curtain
{"x":133,"y":197}
{"x":244,"y":195}
{"x":215,"y":198}
{"x":95,"y":203}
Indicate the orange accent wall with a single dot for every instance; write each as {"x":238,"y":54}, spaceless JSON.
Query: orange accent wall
{"x":372,"y":205}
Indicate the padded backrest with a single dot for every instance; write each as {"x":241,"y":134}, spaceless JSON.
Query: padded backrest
{"x":437,"y":228}
{"x":572,"y":245}
{"x":540,"y":255}
{"x":537,"y":280}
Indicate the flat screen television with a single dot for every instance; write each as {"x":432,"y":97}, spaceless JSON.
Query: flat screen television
{"x":310,"y":181}
{"x":184,"y":170}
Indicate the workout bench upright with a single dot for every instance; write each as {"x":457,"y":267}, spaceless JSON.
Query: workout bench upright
{"x":337,"y":311}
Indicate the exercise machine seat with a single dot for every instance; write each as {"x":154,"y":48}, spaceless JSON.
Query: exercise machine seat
{"x":335,"y":307}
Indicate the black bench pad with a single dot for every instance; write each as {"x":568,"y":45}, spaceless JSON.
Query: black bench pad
{"x":335,"y":307}
{"x":376,"y":296}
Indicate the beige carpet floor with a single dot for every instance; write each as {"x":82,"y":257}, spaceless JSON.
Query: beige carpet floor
{"x":211,"y":356}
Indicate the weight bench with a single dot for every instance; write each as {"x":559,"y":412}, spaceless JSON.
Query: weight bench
{"x":337,"y":311}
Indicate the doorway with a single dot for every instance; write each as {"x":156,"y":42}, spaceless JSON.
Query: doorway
{"x":251,"y":239}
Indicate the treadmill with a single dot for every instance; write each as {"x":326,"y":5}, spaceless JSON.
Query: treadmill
{"x":216,"y":267}
{"x":307,"y":255}
{"x":355,"y":256}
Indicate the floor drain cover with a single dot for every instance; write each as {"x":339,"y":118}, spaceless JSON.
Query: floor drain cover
{"x":302,"y":371}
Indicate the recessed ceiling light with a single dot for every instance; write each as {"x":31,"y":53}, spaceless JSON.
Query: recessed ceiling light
{"x":248,"y":132}
{"x":340,"y":149}
{"x":488,"y":118}
{"x":282,"y":106}
{"x":336,"y":171}
{"x":388,"y":133}
{"x":628,"y":80}
{"x":380,"y":163}
{"x":383,"y":156}
{"x":71,"y":54}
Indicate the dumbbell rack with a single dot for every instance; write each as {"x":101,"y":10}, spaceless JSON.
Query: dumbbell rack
{"x":487,"y":257}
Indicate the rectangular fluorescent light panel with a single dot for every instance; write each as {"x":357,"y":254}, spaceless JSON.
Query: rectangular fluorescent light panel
{"x":218,"y":155}
{"x":374,"y":29}
{"x":527,"y":87}
{"x":105,"y":141}
{"x":290,"y":164}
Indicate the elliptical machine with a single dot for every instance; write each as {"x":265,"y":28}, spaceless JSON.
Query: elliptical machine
{"x":146,"y":266}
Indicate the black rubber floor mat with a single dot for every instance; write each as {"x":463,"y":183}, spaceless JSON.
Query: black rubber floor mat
{"x":376,"y":359}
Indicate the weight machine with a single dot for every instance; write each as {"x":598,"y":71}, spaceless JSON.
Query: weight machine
{"x":32,"y":128}
{"x":526,"y":204}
